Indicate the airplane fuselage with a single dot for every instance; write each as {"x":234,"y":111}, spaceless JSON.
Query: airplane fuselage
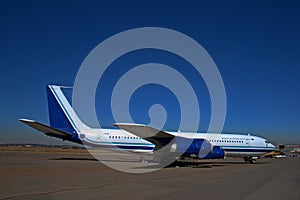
{"x":237,"y":145}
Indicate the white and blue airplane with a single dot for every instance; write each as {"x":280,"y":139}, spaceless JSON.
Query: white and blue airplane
{"x":66,"y":125}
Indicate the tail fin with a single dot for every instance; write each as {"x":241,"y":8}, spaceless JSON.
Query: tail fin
{"x":61,"y":114}
{"x":64,"y":123}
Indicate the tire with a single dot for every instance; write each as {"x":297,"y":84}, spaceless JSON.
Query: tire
{"x":253,"y":161}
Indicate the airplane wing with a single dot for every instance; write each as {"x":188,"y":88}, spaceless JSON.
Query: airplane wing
{"x":155,"y":136}
{"x":46,"y":129}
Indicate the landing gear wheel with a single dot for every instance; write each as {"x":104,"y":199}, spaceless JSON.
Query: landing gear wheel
{"x":252,"y":161}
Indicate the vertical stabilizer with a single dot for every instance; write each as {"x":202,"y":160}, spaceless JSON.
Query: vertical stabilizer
{"x":61,"y":114}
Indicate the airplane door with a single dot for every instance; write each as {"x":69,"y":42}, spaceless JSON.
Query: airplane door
{"x":247,"y":140}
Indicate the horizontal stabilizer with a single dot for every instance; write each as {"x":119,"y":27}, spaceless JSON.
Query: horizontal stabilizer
{"x":155,"y":136}
{"x":46,"y":129}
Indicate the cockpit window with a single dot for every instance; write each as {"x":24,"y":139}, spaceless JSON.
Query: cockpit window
{"x":267,"y":142}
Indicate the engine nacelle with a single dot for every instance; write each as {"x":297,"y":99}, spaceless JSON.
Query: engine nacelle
{"x":216,"y":153}
{"x":191,"y":147}
{"x":197,"y":148}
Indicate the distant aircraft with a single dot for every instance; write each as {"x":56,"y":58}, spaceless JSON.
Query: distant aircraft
{"x":66,"y":125}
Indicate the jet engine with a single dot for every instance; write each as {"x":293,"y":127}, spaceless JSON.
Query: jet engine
{"x":196,"y":148}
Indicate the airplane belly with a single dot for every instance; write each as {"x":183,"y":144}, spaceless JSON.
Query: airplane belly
{"x":240,"y":152}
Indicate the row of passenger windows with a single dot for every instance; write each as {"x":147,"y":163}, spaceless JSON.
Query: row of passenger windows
{"x":137,"y":138}
{"x":124,"y":137}
{"x":228,"y":141}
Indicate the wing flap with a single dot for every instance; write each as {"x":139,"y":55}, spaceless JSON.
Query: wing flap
{"x":48,"y":130}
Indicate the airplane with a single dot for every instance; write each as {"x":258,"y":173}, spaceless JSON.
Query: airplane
{"x":139,"y":138}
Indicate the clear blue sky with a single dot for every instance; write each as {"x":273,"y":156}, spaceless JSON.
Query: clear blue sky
{"x":255,"y":45}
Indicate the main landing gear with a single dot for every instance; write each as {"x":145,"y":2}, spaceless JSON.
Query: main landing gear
{"x":251,"y":160}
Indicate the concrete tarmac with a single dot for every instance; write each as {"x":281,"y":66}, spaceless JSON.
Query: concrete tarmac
{"x":69,"y":175}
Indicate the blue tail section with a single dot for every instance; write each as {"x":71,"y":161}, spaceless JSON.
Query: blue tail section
{"x":57,"y":116}
{"x":61,"y":121}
